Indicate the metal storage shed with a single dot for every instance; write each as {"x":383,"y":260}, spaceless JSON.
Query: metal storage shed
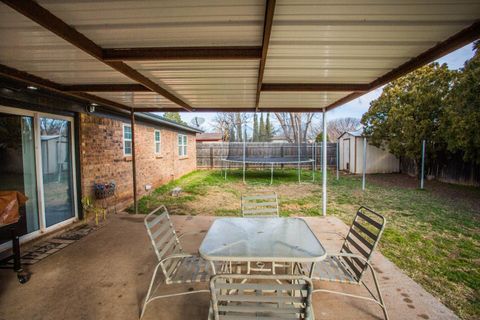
{"x":351,"y":151}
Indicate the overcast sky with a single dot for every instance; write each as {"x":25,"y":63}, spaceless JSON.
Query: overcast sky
{"x":355,"y":108}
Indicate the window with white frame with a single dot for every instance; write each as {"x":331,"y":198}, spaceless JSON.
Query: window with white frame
{"x":127,"y":140}
{"x":182,"y":145}
{"x":157,"y":139}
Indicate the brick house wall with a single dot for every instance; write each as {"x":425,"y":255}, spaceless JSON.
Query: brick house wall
{"x":102,"y":158}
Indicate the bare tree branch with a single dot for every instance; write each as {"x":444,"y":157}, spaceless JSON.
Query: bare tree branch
{"x":293,"y":123}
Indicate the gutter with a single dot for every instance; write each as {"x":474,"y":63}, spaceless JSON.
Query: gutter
{"x":161,"y":120}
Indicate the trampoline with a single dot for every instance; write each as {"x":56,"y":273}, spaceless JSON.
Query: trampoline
{"x":261,"y":154}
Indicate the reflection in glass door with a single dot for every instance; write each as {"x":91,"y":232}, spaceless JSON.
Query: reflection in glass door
{"x":57,"y":172}
{"x":17,"y":169}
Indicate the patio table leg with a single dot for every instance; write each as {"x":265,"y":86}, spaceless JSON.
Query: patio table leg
{"x":214,"y":271}
{"x":310,"y":274}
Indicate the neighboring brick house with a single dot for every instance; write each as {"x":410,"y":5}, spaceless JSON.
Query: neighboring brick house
{"x":158,"y":159}
{"x":209,"y":137}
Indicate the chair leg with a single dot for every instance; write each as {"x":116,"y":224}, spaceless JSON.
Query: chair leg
{"x":147,"y":298}
{"x":379,"y":293}
{"x":377,"y":299}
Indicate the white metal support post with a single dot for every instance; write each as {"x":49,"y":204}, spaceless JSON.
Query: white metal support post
{"x":298,"y":148}
{"x":364,"y":162}
{"x":313,"y":162}
{"x":338,"y":158}
{"x":423,"y":166}
{"x":244,"y":150}
{"x":324,"y":164}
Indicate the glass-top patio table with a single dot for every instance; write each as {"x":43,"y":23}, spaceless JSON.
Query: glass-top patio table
{"x":261,"y":239}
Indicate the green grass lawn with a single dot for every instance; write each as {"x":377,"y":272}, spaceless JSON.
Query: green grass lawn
{"x":433,"y":238}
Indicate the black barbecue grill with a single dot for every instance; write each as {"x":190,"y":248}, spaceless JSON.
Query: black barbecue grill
{"x":10,"y":231}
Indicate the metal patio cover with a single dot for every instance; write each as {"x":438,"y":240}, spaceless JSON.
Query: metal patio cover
{"x":226,"y":55}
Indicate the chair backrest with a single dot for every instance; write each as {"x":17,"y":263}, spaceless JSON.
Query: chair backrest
{"x":258,"y":206}
{"x":261,"y":297}
{"x":362,"y":239}
{"x":162,"y":233}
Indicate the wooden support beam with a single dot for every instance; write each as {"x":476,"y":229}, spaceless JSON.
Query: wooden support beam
{"x":100,"y":100}
{"x":182,"y":53}
{"x":267,"y":30}
{"x":137,"y":76}
{"x":55,"y":87}
{"x":29,"y":78}
{"x":314,"y":87}
{"x":131,"y":87}
{"x":49,"y":21}
{"x":455,"y":42}
{"x":345,"y":99}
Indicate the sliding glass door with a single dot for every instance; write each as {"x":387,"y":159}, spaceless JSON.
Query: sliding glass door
{"x":36,"y":159}
{"x":57,"y":175}
{"x":17,"y":169}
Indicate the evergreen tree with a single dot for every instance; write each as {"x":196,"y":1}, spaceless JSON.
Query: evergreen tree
{"x":238,"y":124}
{"x":261,"y":130}
{"x":459,"y":124}
{"x":268,"y":129}
{"x":410,"y":110}
{"x":255,"y":128}
{"x":175,"y":117}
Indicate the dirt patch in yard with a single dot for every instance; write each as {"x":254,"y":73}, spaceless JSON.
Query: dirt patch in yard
{"x":454,"y":193}
{"x":226,"y":200}
{"x":284,"y":191}
{"x":214,"y":198}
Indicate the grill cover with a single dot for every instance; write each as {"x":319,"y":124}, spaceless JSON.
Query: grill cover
{"x":10,"y":203}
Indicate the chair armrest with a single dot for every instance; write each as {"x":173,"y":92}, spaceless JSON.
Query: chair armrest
{"x":188,"y":233}
{"x":349,"y":255}
{"x":176,"y":256}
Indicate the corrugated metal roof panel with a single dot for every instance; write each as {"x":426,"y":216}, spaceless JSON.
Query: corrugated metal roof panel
{"x":357,"y":41}
{"x":141,"y":23}
{"x":137,"y":99}
{"x":28,"y":47}
{"x":377,"y":10}
{"x":206,"y":84}
{"x":299,"y":99}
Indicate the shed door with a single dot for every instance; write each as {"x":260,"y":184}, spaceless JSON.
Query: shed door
{"x":346,"y":155}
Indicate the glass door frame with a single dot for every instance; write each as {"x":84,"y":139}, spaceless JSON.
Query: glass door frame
{"x":38,"y":169}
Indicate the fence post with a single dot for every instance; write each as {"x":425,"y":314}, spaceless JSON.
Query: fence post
{"x":282,"y":154}
{"x":423,"y":166}
{"x":211,"y":157}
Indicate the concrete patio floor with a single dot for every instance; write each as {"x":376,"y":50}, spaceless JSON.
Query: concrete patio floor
{"x":106,"y":274}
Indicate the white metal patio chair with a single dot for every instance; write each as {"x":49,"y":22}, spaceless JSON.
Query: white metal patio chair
{"x":260,"y":206}
{"x":260,"y":297}
{"x":177,"y":266}
{"x":350,"y":265}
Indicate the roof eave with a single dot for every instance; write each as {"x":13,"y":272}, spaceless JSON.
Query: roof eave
{"x":165,"y":122}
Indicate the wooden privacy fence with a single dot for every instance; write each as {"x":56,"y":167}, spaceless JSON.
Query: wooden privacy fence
{"x":455,"y":170}
{"x":210,"y":154}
